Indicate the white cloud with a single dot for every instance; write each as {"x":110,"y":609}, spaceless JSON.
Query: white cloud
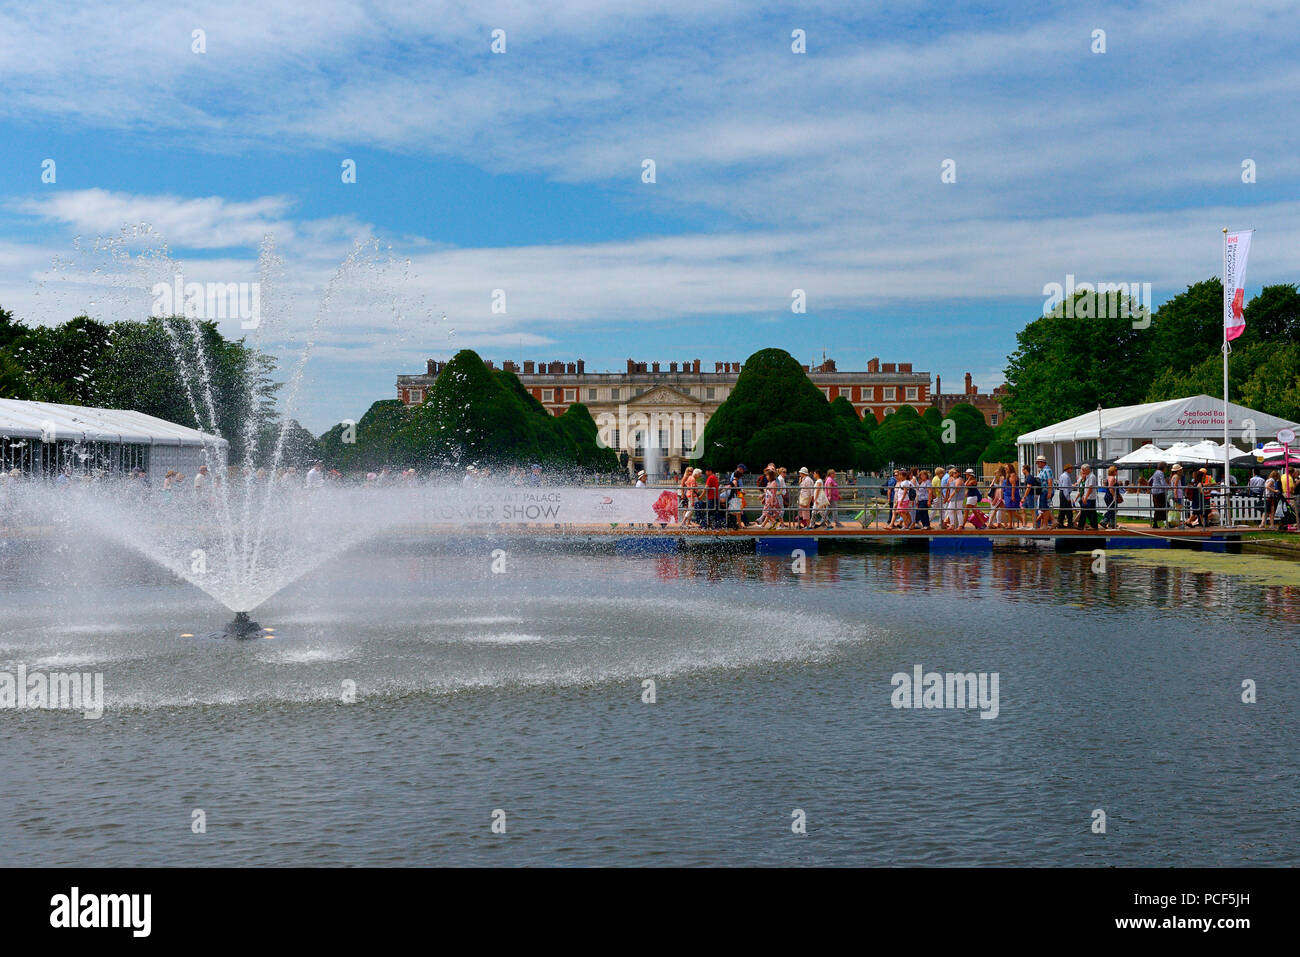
{"x":818,"y":172}
{"x":204,"y":223}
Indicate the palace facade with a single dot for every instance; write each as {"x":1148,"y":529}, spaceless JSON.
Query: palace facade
{"x":656,"y":411}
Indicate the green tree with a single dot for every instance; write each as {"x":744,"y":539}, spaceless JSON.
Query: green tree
{"x":1002,"y":447}
{"x":969,"y":434}
{"x":859,"y":430}
{"x":1273,"y":316}
{"x":580,"y":429}
{"x":904,"y":439}
{"x":476,"y":416}
{"x":141,"y":369}
{"x":13,"y":379}
{"x":469,"y":417}
{"x":933,"y":420}
{"x":1187,"y":328}
{"x":1065,"y":365}
{"x":775,"y":414}
{"x":379,"y":439}
{"x":1273,"y":385}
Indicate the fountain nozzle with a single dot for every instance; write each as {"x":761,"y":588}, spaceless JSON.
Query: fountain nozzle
{"x":243,"y":626}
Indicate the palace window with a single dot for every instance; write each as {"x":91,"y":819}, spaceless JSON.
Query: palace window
{"x":688,"y":443}
{"x":613,"y":394}
{"x":890,"y":393}
{"x":889,"y":411}
{"x":911,"y":393}
{"x":708,"y":393}
{"x":866,"y":393}
{"x":993,"y":419}
{"x":548,"y":395}
{"x":570,"y":395}
{"x":591,"y":395}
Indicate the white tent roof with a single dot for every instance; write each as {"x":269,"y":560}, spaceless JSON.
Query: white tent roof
{"x":34,"y":419}
{"x":1195,"y":417}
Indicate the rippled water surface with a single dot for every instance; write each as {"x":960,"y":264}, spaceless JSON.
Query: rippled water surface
{"x":1119,"y":690}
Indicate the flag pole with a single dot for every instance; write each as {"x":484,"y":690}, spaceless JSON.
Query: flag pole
{"x":1227,"y":495}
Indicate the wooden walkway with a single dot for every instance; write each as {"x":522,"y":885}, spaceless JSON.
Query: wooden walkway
{"x":874,"y":532}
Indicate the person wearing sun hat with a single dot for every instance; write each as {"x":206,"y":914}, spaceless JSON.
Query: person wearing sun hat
{"x":1087,"y":498}
{"x":805,"y":497}
{"x":1175,"y":496}
{"x":1159,"y":490}
{"x":1205,"y":482}
{"x":1194,"y":494}
{"x":1065,"y":513}
{"x":1046,"y":481}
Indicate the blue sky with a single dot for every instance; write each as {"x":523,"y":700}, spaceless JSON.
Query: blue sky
{"x":522,"y":171}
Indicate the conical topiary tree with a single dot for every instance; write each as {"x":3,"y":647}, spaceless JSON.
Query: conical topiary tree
{"x":475,"y":415}
{"x":470,"y":416}
{"x":775,"y":413}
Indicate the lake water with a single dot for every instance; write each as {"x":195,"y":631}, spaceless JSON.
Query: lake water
{"x":522,"y":692}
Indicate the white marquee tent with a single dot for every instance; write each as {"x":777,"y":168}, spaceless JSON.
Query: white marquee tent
{"x":1112,"y":433}
{"x":42,"y":437}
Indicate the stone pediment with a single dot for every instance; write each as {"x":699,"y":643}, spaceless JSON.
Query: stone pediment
{"x":664,"y":395}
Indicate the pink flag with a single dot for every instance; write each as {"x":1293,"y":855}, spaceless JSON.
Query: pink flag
{"x":1236,"y":247}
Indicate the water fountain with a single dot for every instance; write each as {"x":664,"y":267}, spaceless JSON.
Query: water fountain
{"x":252,"y":527}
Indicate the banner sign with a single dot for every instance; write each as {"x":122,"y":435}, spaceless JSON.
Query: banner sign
{"x":1236,"y":248}
{"x":551,"y":506}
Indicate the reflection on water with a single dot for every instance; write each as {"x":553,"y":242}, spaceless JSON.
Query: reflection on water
{"x":1139,"y":578}
{"x":1120,"y":689}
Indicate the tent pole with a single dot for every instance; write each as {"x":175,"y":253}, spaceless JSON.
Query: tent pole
{"x":1224,"y":518}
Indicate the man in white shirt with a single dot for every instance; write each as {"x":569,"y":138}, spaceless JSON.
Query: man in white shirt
{"x":1087,"y":498}
{"x":1065,"y":516}
{"x":1159,"y":489}
{"x":945,"y":501}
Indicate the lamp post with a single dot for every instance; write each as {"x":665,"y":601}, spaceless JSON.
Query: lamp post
{"x":1099,"y":452}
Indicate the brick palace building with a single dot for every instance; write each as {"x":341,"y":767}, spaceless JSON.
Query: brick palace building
{"x":650,"y":408}
{"x":989,"y":405}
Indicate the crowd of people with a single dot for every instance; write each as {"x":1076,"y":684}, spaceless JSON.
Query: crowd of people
{"x":952,"y":499}
{"x":810,"y":500}
{"x":1037,"y":498}
{"x":945,"y":498}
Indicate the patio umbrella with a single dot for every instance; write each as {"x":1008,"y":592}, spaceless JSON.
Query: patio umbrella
{"x":1147,"y":455}
{"x":1210,"y":452}
{"x":1270,"y":455}
{"x":1182,"y":452}
{"x":1276,"y":461}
